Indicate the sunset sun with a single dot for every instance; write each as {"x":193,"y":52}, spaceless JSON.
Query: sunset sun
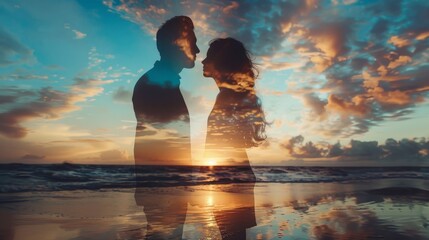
{"x":211,"y":162}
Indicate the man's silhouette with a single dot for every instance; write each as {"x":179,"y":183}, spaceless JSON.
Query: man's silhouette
{"x":163,"y":128}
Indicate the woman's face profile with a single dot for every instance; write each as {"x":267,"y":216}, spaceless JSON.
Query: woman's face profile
{"x":208,"y":65}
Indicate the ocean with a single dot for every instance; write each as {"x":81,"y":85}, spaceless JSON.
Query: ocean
{"x":75,"y":201}
{"x":66,"y":176}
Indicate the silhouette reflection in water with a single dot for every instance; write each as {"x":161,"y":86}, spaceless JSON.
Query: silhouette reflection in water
{"x":163,"y":128}
{"x":236,"y":123}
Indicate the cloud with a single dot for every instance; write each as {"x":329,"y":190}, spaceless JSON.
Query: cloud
{"x":32,"y":157}
{"x":279,"y":66}
{"x":4,"y":99}
{"x":20,"y":76}
{"x":365,"y":149}
{"x":122,"y":95}
{"x":404,"y":150}
{"x":297,"y":148}
{"x":400,"y":61}
{"x":11,"y":50}
{"x":230,"y":7}
{"x":363,"y":84}
{"x":422,"y":36}
{"x":399,"y":42}
{"x":161,"y":132}
{"x":16,"y":149}
{"x":114,"y":155}
{"x":78,"y":34}
{"x":197,"y":104}
{"x":56,"y":143}
{"x":335,"y":150}
{"x":316,"y":105}
{"x":355,"y":107}
{"x":331,"y":37}
{"x":147,"y":14}
{"x":95,"y":143}
{"x":363,"y":72}
{"x":47,"y":102}
{"x":95,"y":58}
{"x":216,"y":19}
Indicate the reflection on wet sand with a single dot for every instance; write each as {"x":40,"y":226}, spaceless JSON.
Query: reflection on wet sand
{"x":165,"y":211}
{"x":224,"y":211}
{"x":231,"y":209}
{"x":378,"y":209}
{"x":317,"y":211}
{"x":342,"y":211}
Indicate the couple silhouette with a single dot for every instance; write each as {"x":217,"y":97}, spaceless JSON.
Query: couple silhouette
{"x":235,"y":123}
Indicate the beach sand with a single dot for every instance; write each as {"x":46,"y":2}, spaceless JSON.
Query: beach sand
{"x":370,"y":209}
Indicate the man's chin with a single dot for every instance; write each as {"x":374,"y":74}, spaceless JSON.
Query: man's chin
{"x":189,"y":65}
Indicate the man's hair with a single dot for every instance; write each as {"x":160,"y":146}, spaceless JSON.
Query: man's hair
{"x":172,"y":30}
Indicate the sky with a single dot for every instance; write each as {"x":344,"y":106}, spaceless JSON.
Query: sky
{"x":342,"y":82}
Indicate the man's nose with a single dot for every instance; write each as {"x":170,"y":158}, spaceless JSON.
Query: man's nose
{"x":197,"y":50}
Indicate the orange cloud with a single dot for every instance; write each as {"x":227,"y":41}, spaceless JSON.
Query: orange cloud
{"x":321,"y":63}
{"x":156,"y":10}
{"x":316,"y":105}
{"x":357,"y":106}
{"x":402,"y":60}
{"x":286,"y":27}
{"x":389,"y":78}
{"x":422,"y":36}
{"x":185,"y":45}
{"x":50,"y":104}
{"x":230,"y":7}
{"x":279,"y":66}
{"x":331,"y":38}
{"x":354,"y":73}
{"x":114,"y":155}
{"x":390,"y":97}
{"x":57,"y":147}
{"x":399,"y":41}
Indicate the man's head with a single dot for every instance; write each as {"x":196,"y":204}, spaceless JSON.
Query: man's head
{"x":176,"y":41}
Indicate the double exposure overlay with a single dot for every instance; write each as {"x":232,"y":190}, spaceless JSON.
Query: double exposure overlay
{"x":229,"y":120}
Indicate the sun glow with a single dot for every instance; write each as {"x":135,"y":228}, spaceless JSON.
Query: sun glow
{"x":211,"y":162}
{"x":210,"y":201}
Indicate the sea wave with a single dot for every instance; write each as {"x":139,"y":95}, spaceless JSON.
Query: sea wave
{"x":58,"y":177}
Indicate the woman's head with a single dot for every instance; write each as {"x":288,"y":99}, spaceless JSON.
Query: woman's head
{"x":238,"y":114}
{"x":226,"y":58}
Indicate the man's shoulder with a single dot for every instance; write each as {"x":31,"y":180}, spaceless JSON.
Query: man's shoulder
{"x":145,"y":79}
{"x":142,"y":80}
{"x":140,"y":85}
{"x":148,"y":82}
{"x":161,"y":76}
{"x":151,"y":77}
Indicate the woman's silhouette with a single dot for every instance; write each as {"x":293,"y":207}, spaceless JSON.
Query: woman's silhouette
{"x":236,"y":123}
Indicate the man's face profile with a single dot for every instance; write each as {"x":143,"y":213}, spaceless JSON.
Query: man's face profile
{"x":187,"y":49}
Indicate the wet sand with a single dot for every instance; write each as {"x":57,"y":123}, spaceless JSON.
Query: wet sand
{"x":376,"y":209}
